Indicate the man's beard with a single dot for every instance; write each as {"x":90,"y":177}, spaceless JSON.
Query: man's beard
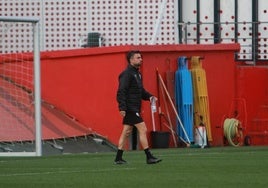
{"x":137,"y":65}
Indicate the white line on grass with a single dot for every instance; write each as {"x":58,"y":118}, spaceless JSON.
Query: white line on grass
{"x":64,"y":172}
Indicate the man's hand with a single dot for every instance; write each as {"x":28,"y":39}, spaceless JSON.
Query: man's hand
{"x":123,"y":113}
{"x":153,"y":98}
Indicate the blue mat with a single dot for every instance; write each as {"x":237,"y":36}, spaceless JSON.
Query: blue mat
{"x":184,"y":99}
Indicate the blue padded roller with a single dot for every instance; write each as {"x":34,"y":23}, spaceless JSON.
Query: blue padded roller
{"x":184,"y":98}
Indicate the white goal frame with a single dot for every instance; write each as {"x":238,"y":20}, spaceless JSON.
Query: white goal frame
{"x":37,"y":85}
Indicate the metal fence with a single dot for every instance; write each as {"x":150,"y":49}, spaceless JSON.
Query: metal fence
{"x":252,"y":37}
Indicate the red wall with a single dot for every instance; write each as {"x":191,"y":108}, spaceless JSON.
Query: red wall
{"x":83,"y":82}
{"x":252,"y":88}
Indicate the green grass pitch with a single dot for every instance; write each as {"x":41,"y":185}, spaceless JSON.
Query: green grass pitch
{"x":182,"y":167}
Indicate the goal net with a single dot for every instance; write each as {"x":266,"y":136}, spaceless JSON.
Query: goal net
{"x":20,"y":98}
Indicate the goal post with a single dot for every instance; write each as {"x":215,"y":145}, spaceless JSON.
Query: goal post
{"x":13,"y":68}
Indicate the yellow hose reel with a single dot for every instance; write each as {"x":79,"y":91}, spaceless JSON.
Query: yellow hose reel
{"x":233,"y":131}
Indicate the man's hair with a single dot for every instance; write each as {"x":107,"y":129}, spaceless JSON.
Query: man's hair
{"x":130,"y":54}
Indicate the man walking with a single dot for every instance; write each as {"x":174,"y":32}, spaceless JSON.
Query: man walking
{"x":130,"y":93}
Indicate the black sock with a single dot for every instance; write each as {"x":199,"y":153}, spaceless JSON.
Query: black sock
{"x":148,"y":153}
{"x":119,"y":154}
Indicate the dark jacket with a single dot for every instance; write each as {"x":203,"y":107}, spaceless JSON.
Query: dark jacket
{"x":130,"y":90}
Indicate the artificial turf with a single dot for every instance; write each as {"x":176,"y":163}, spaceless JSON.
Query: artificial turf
{"x":181,"y":167}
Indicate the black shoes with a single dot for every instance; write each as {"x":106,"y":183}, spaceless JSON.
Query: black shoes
{"x":153,"y":160}
{"x":120,"y":162}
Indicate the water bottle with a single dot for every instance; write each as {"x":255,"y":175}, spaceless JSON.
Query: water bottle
{"x":153,"y":104}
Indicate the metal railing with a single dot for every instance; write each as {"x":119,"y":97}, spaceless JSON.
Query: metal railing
{"x":252,"y":37}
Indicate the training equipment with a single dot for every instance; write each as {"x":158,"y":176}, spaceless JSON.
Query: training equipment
{"x":20,"y":96}
{"x":163,"y":86}
{"x":168,"y":118}
{"x":201,"y":102}
{"x":184,"y":97}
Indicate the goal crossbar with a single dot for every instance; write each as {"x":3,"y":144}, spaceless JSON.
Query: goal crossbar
{"x":37,"y":84}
